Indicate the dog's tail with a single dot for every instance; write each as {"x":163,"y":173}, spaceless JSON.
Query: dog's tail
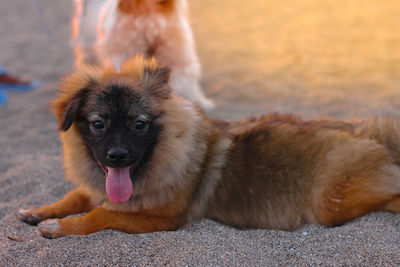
{"x":385,"y":130}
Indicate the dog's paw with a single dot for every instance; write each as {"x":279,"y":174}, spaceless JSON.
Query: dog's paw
{"x":207,"y":104}
{"x":29,"y":216}
{"x":50,"y":228}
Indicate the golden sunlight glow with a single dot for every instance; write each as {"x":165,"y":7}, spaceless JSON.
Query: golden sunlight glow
{"x":321,"y":49}
{"x":306,"y":37}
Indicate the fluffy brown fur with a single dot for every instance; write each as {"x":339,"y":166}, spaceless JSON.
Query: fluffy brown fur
{"x":275,"y":172}
{"x":143,"y":6}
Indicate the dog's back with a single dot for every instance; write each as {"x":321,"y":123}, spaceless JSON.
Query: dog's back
{"x":282,"y":171}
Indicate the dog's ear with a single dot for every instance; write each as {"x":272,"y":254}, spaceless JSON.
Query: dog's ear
{"x":67,"y":107}
{"x":74,"y":91}
{"x":72,"y":108}
{"x":157,"y":81}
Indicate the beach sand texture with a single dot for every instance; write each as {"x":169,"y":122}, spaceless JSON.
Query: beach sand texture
{"x":332,"y":58}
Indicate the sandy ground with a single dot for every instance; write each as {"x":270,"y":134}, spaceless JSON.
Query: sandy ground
{"x":334,"y":58}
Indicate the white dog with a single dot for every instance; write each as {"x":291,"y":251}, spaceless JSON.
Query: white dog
{"x":108,"y":32}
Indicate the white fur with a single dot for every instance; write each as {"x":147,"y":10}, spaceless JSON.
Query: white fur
{"x":49,"y":226}
{"x":108,"y":37}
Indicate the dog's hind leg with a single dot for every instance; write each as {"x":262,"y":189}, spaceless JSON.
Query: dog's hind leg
{"x":360,"y":193}
{"x":75,"y":201}
{"x":385,"y":131}
{"x":393,"y":205}
{"x":175,"y":49}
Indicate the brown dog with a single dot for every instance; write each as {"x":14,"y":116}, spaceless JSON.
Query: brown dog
{"x":145,"y":160}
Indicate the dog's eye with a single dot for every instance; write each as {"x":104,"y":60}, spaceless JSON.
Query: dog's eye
{"x":98,"y":125}
{"x":140,"y":125}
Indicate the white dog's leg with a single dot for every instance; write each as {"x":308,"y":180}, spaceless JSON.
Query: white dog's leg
{"x":175,"y":48}
{"x":84,"y":34}
{"x":187,"y":85}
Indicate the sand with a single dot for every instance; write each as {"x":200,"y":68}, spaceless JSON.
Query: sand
{"x":333,"y":58}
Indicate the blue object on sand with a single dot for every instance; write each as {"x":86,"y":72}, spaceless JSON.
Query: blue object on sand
{"x":3,"y":98}
{"x":20,"y":87}
{"x":15,"y":84}
{"x":10,"y":83}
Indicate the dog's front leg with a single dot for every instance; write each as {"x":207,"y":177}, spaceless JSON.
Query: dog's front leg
{"x":101,"y":218}
{"x":75,"y":201}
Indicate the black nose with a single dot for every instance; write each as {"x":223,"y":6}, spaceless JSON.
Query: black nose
{"x":117,"y":155}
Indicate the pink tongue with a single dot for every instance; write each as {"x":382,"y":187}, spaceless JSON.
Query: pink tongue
{"x":118,"y":184}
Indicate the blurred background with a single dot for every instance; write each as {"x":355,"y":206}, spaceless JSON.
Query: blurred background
{"x":316,"y":58}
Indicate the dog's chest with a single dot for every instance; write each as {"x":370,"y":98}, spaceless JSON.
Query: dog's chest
{"x":136,"y":34}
